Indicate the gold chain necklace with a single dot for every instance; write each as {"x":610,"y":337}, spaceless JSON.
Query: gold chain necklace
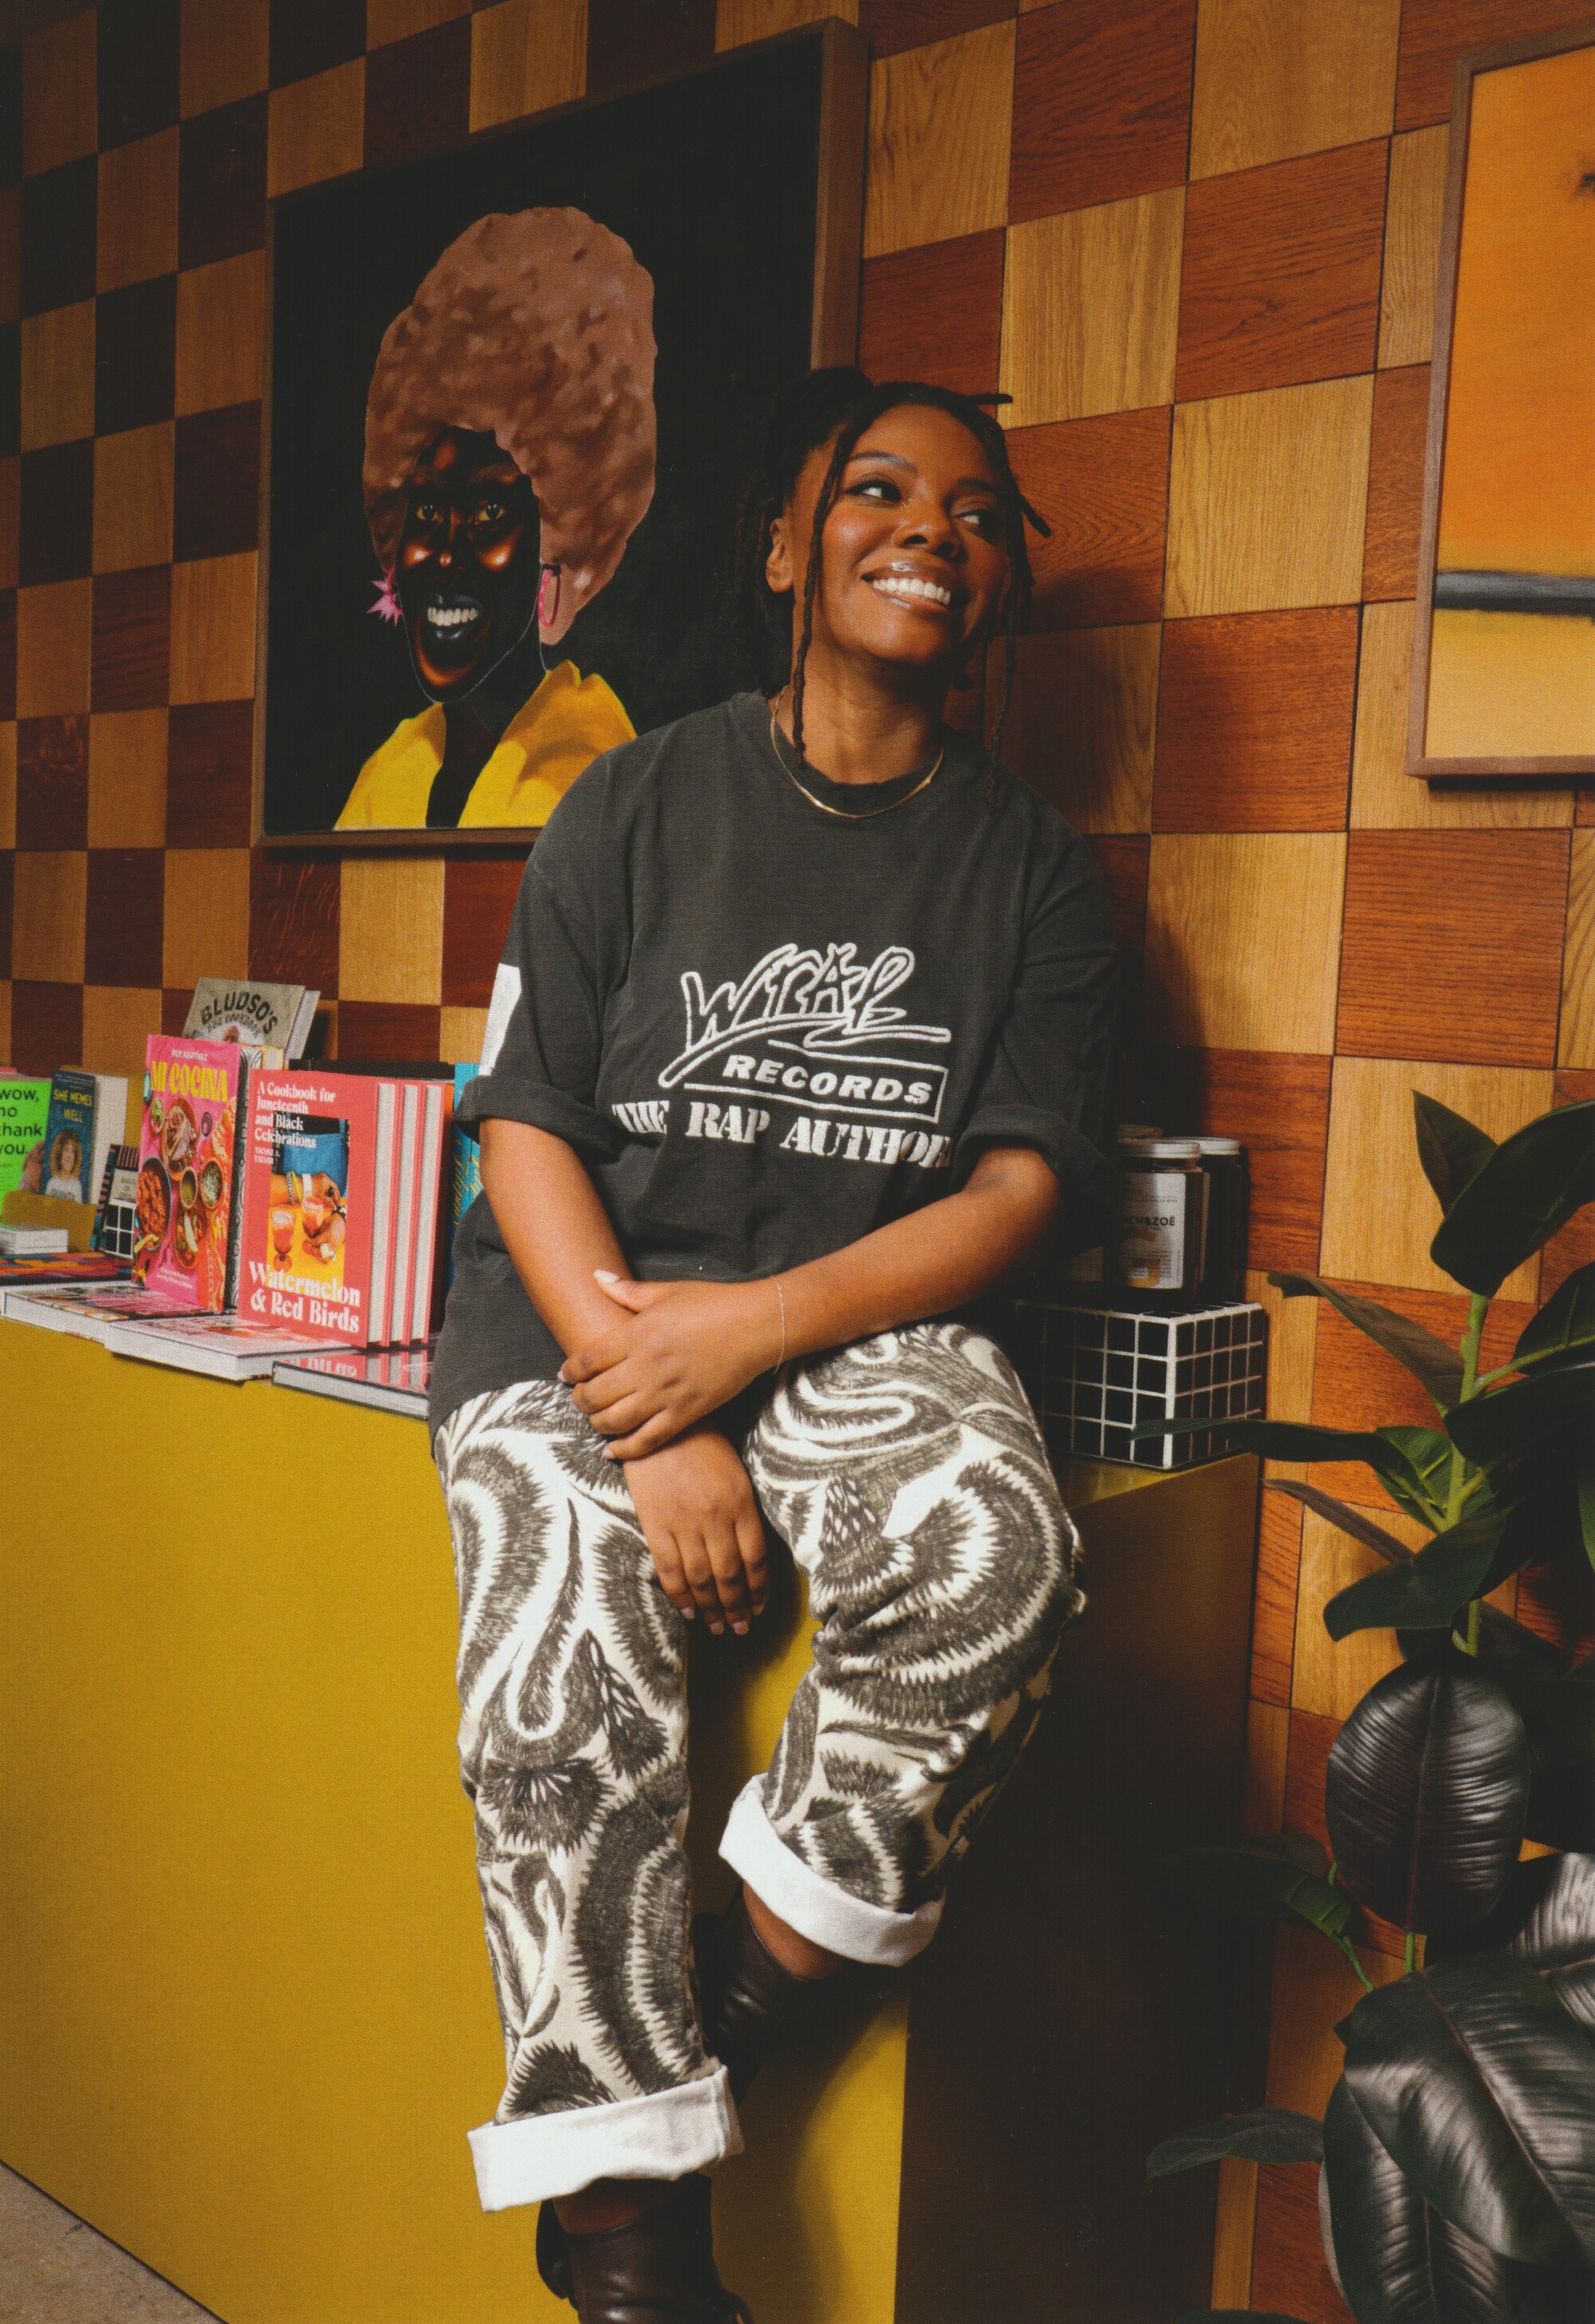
{"x":840,"y":812}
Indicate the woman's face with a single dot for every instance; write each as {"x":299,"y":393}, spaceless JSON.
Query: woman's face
{"x":914,"y":564}
{"x":468,"y":567}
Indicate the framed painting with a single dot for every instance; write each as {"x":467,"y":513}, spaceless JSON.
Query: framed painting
{"x":510,"y":401}
{"x":1503,"y":679}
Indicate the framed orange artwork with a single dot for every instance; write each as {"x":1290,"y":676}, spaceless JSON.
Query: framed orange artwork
{"x":1503,"y":679}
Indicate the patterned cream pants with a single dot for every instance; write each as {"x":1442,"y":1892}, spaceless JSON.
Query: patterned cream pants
{"x":908,"y":1476}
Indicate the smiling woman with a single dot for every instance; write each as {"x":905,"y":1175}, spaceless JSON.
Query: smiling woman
{"x":509,"y":458}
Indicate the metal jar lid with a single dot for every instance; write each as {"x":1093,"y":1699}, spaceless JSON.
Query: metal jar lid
{"x":1217,"y":1145}
{"x":1161,"y":1149}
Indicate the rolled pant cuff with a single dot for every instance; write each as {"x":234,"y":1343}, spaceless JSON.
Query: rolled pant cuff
{"x":810,"y":1904}
{"x":663,"y":2136}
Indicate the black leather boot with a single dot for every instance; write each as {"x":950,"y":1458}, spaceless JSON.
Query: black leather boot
{"x":749,"y":2002}
{"x":659,"y":2269}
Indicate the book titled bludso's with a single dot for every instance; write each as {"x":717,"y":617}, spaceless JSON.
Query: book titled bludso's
{"x":312,"y":1193}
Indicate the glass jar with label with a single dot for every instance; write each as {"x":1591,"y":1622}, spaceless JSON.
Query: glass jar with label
{"x":1161,"y":1189}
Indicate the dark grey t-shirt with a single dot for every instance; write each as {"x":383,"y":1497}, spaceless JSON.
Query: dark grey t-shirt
{"x":767,"y":1030}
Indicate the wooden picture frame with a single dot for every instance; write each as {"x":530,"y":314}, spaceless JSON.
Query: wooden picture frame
{"x":829,"y":334}
{"x":1484,"y":591}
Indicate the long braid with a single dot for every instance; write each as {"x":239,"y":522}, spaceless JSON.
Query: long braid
{"x":842,"y":452}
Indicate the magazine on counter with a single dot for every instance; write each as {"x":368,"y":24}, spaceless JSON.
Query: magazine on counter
{"x":389,"y":1379}
{"x":83,"y":1309}
{"x":311,"y":1205}
{"x":95,"y":1267}
{"x":223,"y":1347}
{"x":185,"y":1195}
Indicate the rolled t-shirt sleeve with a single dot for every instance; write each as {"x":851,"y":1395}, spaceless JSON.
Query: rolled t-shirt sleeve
{"x":540,"y":1051}
{"x":1048,"y":1081}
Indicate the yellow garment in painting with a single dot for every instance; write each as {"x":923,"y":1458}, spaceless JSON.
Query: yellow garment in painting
{"x":558,"y":732}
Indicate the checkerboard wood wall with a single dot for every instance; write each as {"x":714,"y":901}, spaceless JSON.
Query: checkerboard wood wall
{"x":1195,"y":240}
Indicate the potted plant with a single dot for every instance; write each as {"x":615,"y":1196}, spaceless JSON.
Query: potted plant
{"x":1457,"y":2153}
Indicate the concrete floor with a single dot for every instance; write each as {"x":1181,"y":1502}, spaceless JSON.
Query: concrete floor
{"x":55,"y":2270}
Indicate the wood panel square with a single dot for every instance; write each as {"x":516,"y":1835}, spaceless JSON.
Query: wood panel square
{"x":127,"y":778}
{"x":222,"y":183}
{"x":1435,"y":32}
{"x":11,"y":253}
{"x":215,"y":488}
{"x":1413,"y":217}
{"x":58,"y":237}
{"x":7,"y":786}
{"x":117,"y":1022}
{"x":1288,"y":2266}
{"x":890,"y":25}
{"x":1576,"y":1042}
{"x":133,"y":345}
{"x":46,"y":1026}
{"x":224,"y":53}
{"x":939,"y":125}
{"x":1254,"y":722}
{"x":526,"y":55}
{"x":1102,"y":101}
{"x":126,"y":888}
{"x":54,"y":630}
{"x":1237,"y":461}
{"x":132,"y":639}
{"x":11,"y":491}
{"x":7,"y":895}
{"x":209,"y":775}
{"x":1574,"y":1245}
{"x":1121,"y":859}
{"x":48,"y":918}
{"x":137,"y":68}
{"x":1103,"y":486}
{"x":1281,"y":274}
{"x":1383,"y":794}
{"x":737,"y":21}
{"x":57,"y":375}
{"x":1274,"y":78}
{"x":1277,"y":1106}
{"x":55,"y":513}
{"x":293,"y":919}
{"x":418,"y":94}
{"x":220,"y":330}
{"x":397,"y":1030}
{"x":391,"y":929}
{"x":133,"y":498}
{"x":1091,"y":314}
{"x":478,"y":899}
{"x":51,"y":782}
{"x":317,"y":129}
{"x":1452,"y":943}
{"x":213,"y":630}
{"x":307,"y":36}
{"x":1396,"y":483}
{"x":397,"y":20}
{"x":1379,"y":1212}
{"x":11,"y":389}
{"x":1243,"y":938}
{"x":138,"y":231}
{"x":1274,"y":1603}
{"x":461,"y":1033}
{"x":59,"y":86}
{"x":207,"y":931}
{"x":630,"y":42}
{"x":8,"y":598}
{"x":1081,"y":724}
{"x":935,"y":312}
{"x":1329,"y":1677}
{"x":6,"y":1048}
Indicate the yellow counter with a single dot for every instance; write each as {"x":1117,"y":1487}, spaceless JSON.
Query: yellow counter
{"x":245,"y":2013}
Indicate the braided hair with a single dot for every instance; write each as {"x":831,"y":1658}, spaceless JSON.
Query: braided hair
{"x":835,"y":407}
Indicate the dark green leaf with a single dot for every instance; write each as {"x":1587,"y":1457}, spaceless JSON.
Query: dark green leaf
{"x":1426,"y":1794}
{"x":1528,"y":1188}
{"x":1565,"y":1325}
{"x":1356,"y":1522}
{"x":1257,"y":1884}
{"x":1512,"y":1420}
{"x":1427,"y":1357}
{"x":1546,"y":1918}
{"x":1450,"y":1150}
{"x":1400,"y":2262}
{"x":1267,"y":2135}
{"x":1482,"y":2088}
{"x":1425,"y":1593}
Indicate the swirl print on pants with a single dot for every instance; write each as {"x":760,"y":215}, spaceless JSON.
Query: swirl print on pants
{"x":909,"y":1477}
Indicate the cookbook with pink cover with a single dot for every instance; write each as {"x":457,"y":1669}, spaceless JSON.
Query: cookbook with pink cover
{"x":186,"y":1191}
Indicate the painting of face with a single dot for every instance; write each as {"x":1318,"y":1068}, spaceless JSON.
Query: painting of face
{"x":468,"y":574}
{"x":512,"y":391}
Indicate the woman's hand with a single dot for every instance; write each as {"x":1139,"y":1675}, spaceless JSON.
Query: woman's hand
{"x":682,"y":1350}
{"x":697,"y":1512}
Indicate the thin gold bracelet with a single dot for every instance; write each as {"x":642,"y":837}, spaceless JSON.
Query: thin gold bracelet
{"x":781,"y":1300}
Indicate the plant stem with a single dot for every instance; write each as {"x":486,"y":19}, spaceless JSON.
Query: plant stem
{"x":1478,"y":1308}
{"x":1412,"y":1950}
{"x":1475,"y":1619}
{"x":1350,"y":1950}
